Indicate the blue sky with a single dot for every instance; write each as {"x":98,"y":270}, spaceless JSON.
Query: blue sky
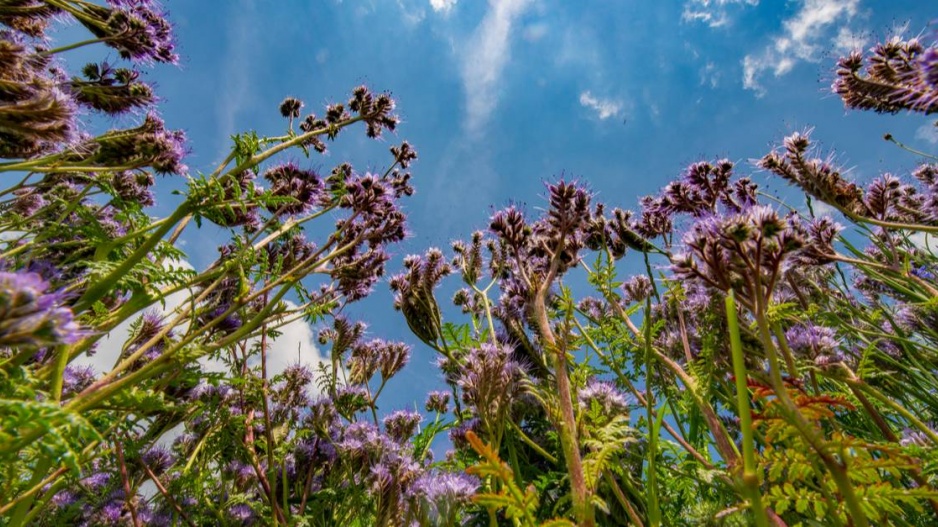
{"x":499,"y":97}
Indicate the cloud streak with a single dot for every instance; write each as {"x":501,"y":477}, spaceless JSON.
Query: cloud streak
{"x":486,"y":55}
{"x":801,"y":40}
{"x":714,"y":13}
{"x":442,"y":6}
{"x":604,"y":108}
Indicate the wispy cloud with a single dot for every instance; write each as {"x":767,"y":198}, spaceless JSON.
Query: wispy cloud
{"x":442,"y":5}
{"x":928,"y":132}
{"x":486,"y":54}
{"x":714,"y":13}
{"x":604,"y":108}
{"x":411,"y":14}
{"x":802,"y":39}
{"x":242,"y":50}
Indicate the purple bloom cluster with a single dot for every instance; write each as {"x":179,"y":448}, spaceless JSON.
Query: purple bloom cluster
{"x":609,"y":399}
{"x":414,"y":293}
{"x":490,"y":381}
{"x":31,"y":315}
{"x":439,"y":495}
{"x":899,"y":75}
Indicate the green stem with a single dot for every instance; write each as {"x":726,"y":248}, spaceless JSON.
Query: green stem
{"x":654,"y":509}
{"x":750,"y":479}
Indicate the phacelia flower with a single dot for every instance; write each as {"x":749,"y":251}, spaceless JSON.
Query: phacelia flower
{"x":32,"y":316}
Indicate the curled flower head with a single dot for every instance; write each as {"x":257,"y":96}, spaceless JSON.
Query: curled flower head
{"x":290,"y":107}
{"x":898,"y":75}
{"x":30,"y":315}
{"x":605,"y":395}
{"x":414,"y":293}
{"x":741,"y":251}
{"x":816,"y":177}
{"x":437,"y":401}
{"x":76,"y":378}
{"x":136,"y":29}
{"x":490,"y":381}
{"x":439,"y":495}
{"x":303,"y":187}
{"x":113,"y":91}
{"x":637,"y":288}
{"x":810,"y":340}
{"x":402,"y":424}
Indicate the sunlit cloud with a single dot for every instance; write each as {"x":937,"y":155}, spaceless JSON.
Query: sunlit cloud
{"x":442,"y":6}
{"x":803,"y":37}
{"x":486,"y":55}
{"x":604,"y":108}
{"x":714,"y":13}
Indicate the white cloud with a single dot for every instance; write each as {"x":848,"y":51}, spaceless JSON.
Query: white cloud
{"x":443,"y":6}
{"x":848,"y":40}
{"x":709,"y":75}
{"x":487,"y":52}
{"x":925,"y":242}
{"x":241,"y":55}
{"x":536,"y":31}
{"x":296,"y":343}
{"x":801,"y":39}
{"x":412,"y":15}
{"x":928,"y":132}
{"x":604,"y":108}
{"x":714,"y":13}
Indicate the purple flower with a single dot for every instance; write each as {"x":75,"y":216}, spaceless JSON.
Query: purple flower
{"x":437,"y":401}
{"x":899,"y":75}
{"x":810,"y":340}
{"x":241,"y":514}
{"x":135,"y":28}
{"x":76,"y":378}
{"x":304,"y":188}
{"x":458,"y":434}
{"x":150,"y":144}
{"x":414,"y":293}
{"x":96,"y":482}
{"x":490,"y":381}
{"x":637,"y":289}
{"x":439,"y":495}
{"x":158,"y":459}
{"x":605,"y":395}
{"x":31,"y":316}
{"x":402,"y":424}
{"x":134,"y":186}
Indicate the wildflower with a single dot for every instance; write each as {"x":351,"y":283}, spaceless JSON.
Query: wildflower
{"x":134,"y":186}
{"x":135,"y":29}
{"x":490,"y":381}
{"x":304,"y":187}
{"x":157,"y":459}
{"x":439,"y":495}
{"x":810,"y":340}
{"x":402,"y":424}
{"x":110,"y":90}
{"x":900,"y":75}
{"x":637,"y":289}
{"x":437,"y":401}
{"x":414,"y":293}
{"x":605,"y":395}
{"x":31,"y":316}
{"x":290,"y":107}
{"x":76,"y":378}
{"x":817,"y":177}
{"x":457,"y":435}
{"x":241,"y":514}
{"x":150,"y":144}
